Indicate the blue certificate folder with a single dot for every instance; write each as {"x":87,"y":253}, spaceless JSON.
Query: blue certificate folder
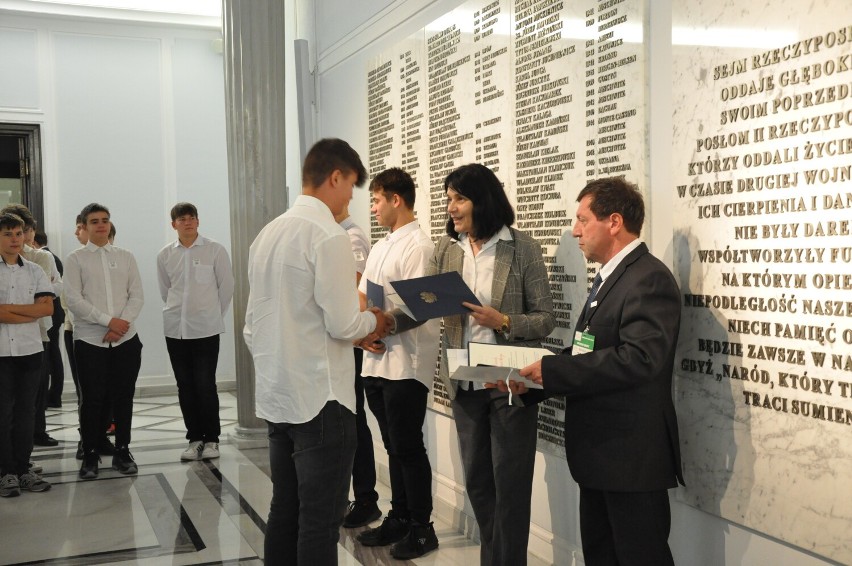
{"x":435,"y":296}
{"x":375,"y":295}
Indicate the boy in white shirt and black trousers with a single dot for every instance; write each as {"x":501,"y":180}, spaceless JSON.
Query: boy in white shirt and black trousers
{"x":26,"y":295}
{"x":104,"y":292}
{"x":196,"y":284}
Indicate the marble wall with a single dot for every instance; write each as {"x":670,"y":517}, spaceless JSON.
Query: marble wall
{"x":762,"y":164}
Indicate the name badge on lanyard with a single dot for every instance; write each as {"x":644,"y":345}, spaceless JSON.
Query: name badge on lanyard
{"x":583,"y":343}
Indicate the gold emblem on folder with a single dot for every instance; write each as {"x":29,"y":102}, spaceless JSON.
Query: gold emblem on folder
{"x":429,"y":297}
{"x":370,"y":303}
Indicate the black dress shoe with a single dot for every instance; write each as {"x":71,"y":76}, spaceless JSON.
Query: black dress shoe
{"x":89,"y":469}
{"x":361,"y":513}
{"x":45,"y":439}
{"x":123,"y":461}
{"x":79,"y":454}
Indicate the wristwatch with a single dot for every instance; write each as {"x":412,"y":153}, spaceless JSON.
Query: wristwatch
{"x":504,"y":328}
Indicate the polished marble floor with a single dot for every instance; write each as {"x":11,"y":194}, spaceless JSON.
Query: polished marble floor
{"x":172,"y":512}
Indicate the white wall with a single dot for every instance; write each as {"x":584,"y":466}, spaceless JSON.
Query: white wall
{"x":344,"y":40}
{"x":132,"y":116}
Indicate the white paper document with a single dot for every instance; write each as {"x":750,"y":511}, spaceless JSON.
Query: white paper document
{"x":489,"y":363}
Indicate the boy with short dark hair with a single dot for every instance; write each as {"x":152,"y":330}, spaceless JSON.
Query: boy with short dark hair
{"x":26,"y":295}
{"x":104,"y":292}
{"x":196,"y":284}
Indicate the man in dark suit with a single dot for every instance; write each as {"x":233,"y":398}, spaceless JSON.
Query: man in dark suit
{"x":621,"y":437}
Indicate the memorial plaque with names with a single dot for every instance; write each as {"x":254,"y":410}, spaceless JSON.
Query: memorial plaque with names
{"x":548,"y":94}
{"x":762,"y":167}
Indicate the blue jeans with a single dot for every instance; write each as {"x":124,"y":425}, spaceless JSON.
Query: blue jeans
{"x":311,"y":466}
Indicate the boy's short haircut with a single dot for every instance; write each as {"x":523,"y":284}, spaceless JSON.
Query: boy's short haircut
{"x":21,"y":212}
{"x":395,"y":181}
{"x":184,"y":209}
{"x":10,"y":220}
{"x":40,"y":238}
{"x":330,"y":155}
{"x":79,"y":220}
{"x":90,"y":208}
{"x":111,"y":235}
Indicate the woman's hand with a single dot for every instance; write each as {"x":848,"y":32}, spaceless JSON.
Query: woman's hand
{"x":486,"y":316}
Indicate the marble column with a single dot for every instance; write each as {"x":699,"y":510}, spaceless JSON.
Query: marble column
{"x":254,"y":106}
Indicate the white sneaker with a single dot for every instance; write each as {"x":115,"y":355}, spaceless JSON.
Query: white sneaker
{"x":193,"y":451}
{"x":211,"y":450}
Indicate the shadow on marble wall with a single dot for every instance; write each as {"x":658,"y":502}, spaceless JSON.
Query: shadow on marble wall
{"x":716,"y":443}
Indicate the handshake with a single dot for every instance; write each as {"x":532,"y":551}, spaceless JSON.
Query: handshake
{"x":385,"y":324}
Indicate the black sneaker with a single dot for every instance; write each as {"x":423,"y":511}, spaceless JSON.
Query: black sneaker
{"x":89,"y":469}
{"x":391,"y":530}
{"x":421,"y":540}
{"x":361,"y":513}
{"x":123,"y":461}
{"x":44,"y":439}
{"x":105,"y":447}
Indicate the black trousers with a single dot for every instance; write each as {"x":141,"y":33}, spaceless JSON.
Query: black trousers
{"x":364,"y":468}
{"x":57,"y":368}
{"x":400,"y":408}
{"x":69,"y":349}
{"x":18,"y":388}
{"x":104,"y":373}
{"x":625,"y":528}
{"x":194,"y":362}
{"x":40,"y":403}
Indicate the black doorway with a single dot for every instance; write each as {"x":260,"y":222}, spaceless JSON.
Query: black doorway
{"x":20,"y":167}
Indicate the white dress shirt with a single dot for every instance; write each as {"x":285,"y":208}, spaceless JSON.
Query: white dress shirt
{"x":358,"y":241}
{"x":402,"y":254}
{"x":196,"y":284}
{"x":20,"y":284}
{"x":46,"y":261}
{"x":302,"y":314}
{"x":478,"y":274}
{"x":102,"y":283}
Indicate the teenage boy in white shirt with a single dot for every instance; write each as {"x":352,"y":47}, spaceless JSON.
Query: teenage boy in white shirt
{"x":398,"y":372}
{"x":104,"y":293}
{"x":301,"y":320}
{"x":43,"y":259}
{"x":196,"y":284}
{"x":26,"y":295}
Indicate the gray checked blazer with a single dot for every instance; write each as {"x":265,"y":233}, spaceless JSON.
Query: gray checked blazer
{"x":520,"y":290}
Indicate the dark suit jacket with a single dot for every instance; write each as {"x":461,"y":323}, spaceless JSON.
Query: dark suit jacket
{"x":620,"y":425}
{"x":520,"y":289}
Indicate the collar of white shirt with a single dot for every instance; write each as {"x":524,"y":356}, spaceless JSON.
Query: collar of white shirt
{"x":199,"y":241}
{"x":93,"y":248}
{"x":606,"y":270}
{"x":402,"y":232}
{"x":503,"y":234}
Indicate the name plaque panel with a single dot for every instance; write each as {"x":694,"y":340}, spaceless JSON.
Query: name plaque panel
{"x":548,"y":94}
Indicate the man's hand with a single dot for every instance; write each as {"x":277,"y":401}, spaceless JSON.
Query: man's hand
{"x":373,"y":345}
{"x":111,"y":336}
{"x":119,"y":326}
{"x":485,"y":315}
{"x":516,"y":387}
{"x":381,"y":322}
{"x":533,"y":372}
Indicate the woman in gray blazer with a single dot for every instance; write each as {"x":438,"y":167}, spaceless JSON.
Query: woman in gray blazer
{"x":505,"y":269}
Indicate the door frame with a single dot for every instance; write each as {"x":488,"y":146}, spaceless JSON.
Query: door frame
{"x":33,"y":193}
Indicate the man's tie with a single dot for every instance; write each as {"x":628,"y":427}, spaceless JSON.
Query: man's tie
{"x":595,"y":286}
